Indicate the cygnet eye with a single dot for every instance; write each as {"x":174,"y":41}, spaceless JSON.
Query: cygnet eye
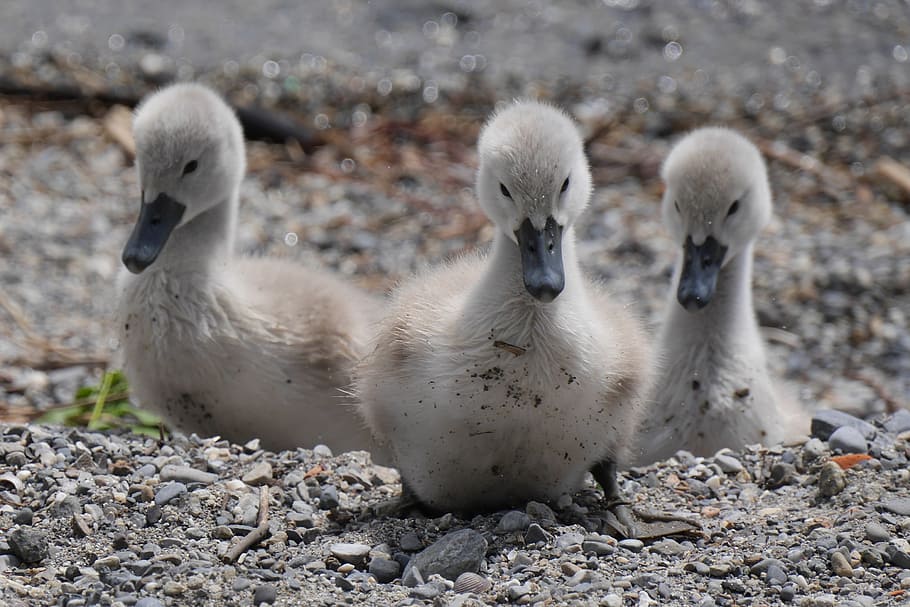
{"x":733,"y":208}
{"x":190,"y":166}
{"x":565,"y":186}
{"x":505,"y":191}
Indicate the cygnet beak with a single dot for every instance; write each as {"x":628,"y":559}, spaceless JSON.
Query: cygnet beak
{"x":701,"y":264}
{"x":541,"y":259}
{"x":157,"y":219}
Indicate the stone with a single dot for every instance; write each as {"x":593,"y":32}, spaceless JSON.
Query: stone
{"x":540,"y":513}
{"x":536,"y":534}
{"x":260,"y":474}
{"x":451,"y":555}
{"x":81,"y":527}
{"x":668,"y":547}
{"x":384,"y":570}
{"x":897,"y":505}
{"x":512,"y":521}
{"x":632,"y":545}
{"x":66,"y":507}
{"x":831,"y":480}
{"x":186,"y":474}
{"x":896,"y":556}
{"x":167,"y":493}
{"x":410,"y":542}
{"x":813,"y":449}
{"x":782,"y":474}
{"x":877,"y":533}
{"x":840,"y":565}
{"x":265,"y":594}
{"x":567,"y":542}
{"x":355,"y":554}
{"x":30,"y":545}
{"x":847,"y":439}
{"x":776,"y":575}
{"x":898,"y":422}
{"x":328,"y":498}
{"x":152,"y":515}
{"x":826,"y":421}
{"x":728,"y":463}
{"x":597,"y":547}
{"x":148,"y":601}
{"x":411,"y":578}
{"x":611,"y":600}
{"x":24,"y":517}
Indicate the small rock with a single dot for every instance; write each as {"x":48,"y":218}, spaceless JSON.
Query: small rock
{"x":877,"y":533}
{"x":847,"y":439}
{"x":451,"y":555}
{"x":896,"y":557}
{"x":410,"y":542}
{"x":328,"y":498}
{"x":384,"y":570}
{"x":668,"y":547}
{"x":344,"y":583}
{"x":24,"y":517}
{"x":80,"y":526}
{"x":540,"y":513}
{"x":813,"y":449}
{"x":265,"y":594}
{"x":898,"y":422}
{"x":148,"y":601}
{"x":782,"y":474}
{"x":259,"y":475}
{"x":411,"y":578}
{"x":172,"y":588}
{"x":611,"y":600}
{"x":597,"y":547}
{"x":322,"y":451}
{"x":567,"y":542}
{"x":536,"y":534}
{"x":514,"y":520}
{"x":840,"y":565}
{"x":897,"y":505}
{"x":66,"y":507}
{"x":187,"y":475}
{"x":516,"y":592}
{"x":29,"y":544}
{"x":355,"y":554}
{"x":873,"y":557}
{"x":152,"y":515}
{"x":826,"y":421}
{"x":107,"y":562}
{"x":776,"y":575}
{"x":788,"y":593}
{"x":831,"y":480}
{"x":167,"y":493}
{"x":728,"y":463}
{"x":632,"y":545}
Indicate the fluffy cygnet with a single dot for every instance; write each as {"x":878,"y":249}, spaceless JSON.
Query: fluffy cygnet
{"x":220,"y":345}
{"x":506,"y":376}
{"x":714,"y":389}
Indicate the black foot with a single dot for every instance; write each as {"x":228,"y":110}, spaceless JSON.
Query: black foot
{"x":619,"y":513}
{"x":403,"y":506}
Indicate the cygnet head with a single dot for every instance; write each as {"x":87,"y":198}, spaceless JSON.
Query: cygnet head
{"x":190,"y":157}
{"x":716,"y":201}
{"x":533,"y":183}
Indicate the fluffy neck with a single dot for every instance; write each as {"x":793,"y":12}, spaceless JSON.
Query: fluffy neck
{"x":730,"y":311}
{"x":203,"y":245}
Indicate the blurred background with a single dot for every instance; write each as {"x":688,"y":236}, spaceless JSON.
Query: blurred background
{"x":362,"y":119}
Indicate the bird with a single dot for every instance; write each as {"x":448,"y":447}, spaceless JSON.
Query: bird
{"x":218,"y":344}
{"x":506,"y":375}
{"x":714,"y":389}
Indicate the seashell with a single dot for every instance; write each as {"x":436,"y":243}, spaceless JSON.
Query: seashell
{"x":471,"y":582}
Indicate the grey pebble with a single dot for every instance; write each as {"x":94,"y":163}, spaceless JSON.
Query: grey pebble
{"x":831,"y":480}
{"x":898,"y":422}
{"x":514,"y":520}
{"x":355,"y":554}
{"x":826,"y":421}
{"x":81,"y":527}
{"x":265,"y":594}
{"x":775,"y":575}
{"x":516,"y":592}
{"x":169,"y":492}
{"x":148,"y":601}
{"x":597,"y":547}
{"x":567,"y":542}
{"x":152,"y":515}
{"x":384,"y":570}
{"x":411,"y":576}
{"x":782,"y":474}
{"x":611,"y":600}
{"x":877,"y":533}
{"x":728,"y":463}
{"x":322,"y":451}
{"x":897,"y":505}
{"x":328,"y":498}
{"x":260,"y":474}
{"x":632,"y":545}
{"x":30,"y":545}
{"x":847,"y":439}
{"x":24,"y":516}
{"x":540,"y":513}
{"x":813,"y":449}
{"x":427,"y":592}
{"x":410,"y":542}
{"x":451,"y":555}
{"x":66,"y":507}
{"x":788,"y":593}
{"x":186,"y":474}
{"x":536,"y":534}
{"x":896,"y":557}
{"x":840,"y":565}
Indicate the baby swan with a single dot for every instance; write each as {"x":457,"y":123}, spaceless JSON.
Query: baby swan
{"x":714,"y":390}
{"x":504,"y":377}
{"x":240,"y":348}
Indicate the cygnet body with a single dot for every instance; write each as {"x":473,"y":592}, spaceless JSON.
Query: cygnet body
{"x":506,"y":376}
{"x":714,"y":390}
{"x":219,"y":345}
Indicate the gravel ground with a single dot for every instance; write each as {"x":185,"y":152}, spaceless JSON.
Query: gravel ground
{"x":381,"y":185}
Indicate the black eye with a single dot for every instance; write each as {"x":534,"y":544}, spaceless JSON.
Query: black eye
{"x":733,"y":208}
{"x":676,"y":204}
{"x":504,"y":190}
{"x":565,"y":185}
{"x":191,"y":166}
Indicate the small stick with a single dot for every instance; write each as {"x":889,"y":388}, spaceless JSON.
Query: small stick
{"x":651,"y":516}
{"x":254,"y":536}
{"x":895,"y":172}
{"x":512,"y":349}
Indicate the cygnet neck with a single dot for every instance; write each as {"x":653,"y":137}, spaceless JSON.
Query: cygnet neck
{"x":202,"y":245}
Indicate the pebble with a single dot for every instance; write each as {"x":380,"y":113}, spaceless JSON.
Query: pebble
{"x":260,"y":474}
{"x":840,"y":565}
{"x":536,"y":534}
{"x":186,"y":474}
{"x":782,"y":474}
{"x":611,"y":600}
{"x":30,"y":545}
{"x":265,"y":594}
{"x":81,"y":527}
{"x":847,"y":439}
{"x":152,"y":515}
{"x":826,"y":421}
{"x":410,"y":542}
{"x":831,"y":480}
{"x":898,"y":422}
{"x":355,"y":554}
{"x":597,"y":547}
{"x":328,"y":498}
{"x":896,"y":556}
{"x":813,"y":449}
{"x":569,"y":542}
{"x":167,"y":493}
{"x":24,"y":516}
{"x":384,"y":570}
{"x":540,"y":513}
{"x":632,"y":545}
{"x":877,"y":533}
{"x":728,"y":463}
{"x":897,"y":505}
{"x":776,"y":575}
{"x":451,"y":555}
{"x":512,"y":521}
{"x":148,"y":601}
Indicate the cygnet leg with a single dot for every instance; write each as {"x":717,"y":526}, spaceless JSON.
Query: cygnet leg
{"x":605,"y":474}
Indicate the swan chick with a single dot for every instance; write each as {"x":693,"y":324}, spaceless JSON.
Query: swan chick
{"x":216,"y":344}
{"x":715,"y":390}
{"x":505,"y":376}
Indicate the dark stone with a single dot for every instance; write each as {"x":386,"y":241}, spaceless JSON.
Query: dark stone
{"x":536,"y":534}
{"x":847,"y":439}
{"x":896,"y":557}
{"x":29,"y":544}
{"x":451,"y":555}
{"x":826,"y":421}
{"x":410,"y":542}
{"x":898,"y":422}
{"x":384,"y":570}
{"x":24,"y":517}
{"x":328,"y":497}
{"x":168,"y":493}
{"x":152,"y":515}
{"x":265,"y":594}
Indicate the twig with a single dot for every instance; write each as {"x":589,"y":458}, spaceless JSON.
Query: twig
{"x":254,"y":536}
{"x":510,"y":348}
{"x":895,"y":172}
{"x":98,"y":409}
{"x":651,"y":516}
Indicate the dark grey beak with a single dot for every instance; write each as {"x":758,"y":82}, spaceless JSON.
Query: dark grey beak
{"x":157,"y":219}
{"x":701,"y":265}
{"x":541,"y":259}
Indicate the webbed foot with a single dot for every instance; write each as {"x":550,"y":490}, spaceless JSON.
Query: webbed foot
{"x":619,"y":513}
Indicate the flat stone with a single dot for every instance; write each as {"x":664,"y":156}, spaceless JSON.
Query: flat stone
{"x":81,"y":527}
{"x":668,"y":547}
{"x":187,"y":475}
{"x":30,"y":545}
{"x":451,"y":555}
{"x":877,"y":533}
{"x":847,"y":439}
{"x":728,"y":463}
{"x":776,"y":575}
{"x":384,"y":570}
{"x":840,"y":565}
{"x":898,"y":422}
{"x":567,"y":542}
{"x":597,"y":547}
{"x":897,"y":505}
{"x":813,"y":449}
{"x":265,"y":594}
{"x":536,"y":534}
{"x":426,"y":592}
{"x":66,"y":507}
{"x":148,"y":601}
{"x":167,"y":493}
{"x":632,"y":545}
{"x":826,"y":421}
{"x":831,"y":480}
{"x":512,"y":521}
{"x":355,"y":554}
{"x":152,"y":515}
{"x":410,"y":542}
{"x":260,"y":474}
